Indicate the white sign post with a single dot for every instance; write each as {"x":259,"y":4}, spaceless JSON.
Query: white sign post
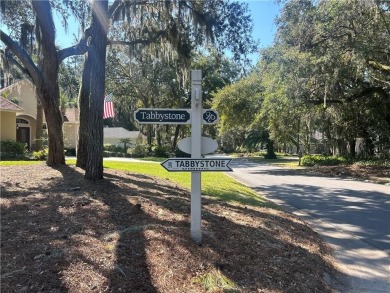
{"x":196,"y":136}
{"x":196,"y":117}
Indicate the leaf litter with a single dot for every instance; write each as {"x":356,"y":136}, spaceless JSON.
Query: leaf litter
{"x":131,"y":233}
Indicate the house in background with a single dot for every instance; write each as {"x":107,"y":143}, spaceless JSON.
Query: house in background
{"x":23,"y":93}
{"x":71,"y":127}
{"x":113,"y":135}
{"x":19,"y":121}
{"x":25,"y":122}
{"x":8,"y":111}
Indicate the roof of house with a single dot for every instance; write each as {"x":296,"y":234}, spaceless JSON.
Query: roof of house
{"x":17,"y":83}
{"x":119,"y":132}
{"x":6,"y":105}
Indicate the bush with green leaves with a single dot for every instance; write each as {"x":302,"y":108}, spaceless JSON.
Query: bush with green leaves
{"x":382,"y":163}
{"x":12,"y":149}
{"x":113,"y":148}
{"x":40,"y":155}
{"x":321,"y":160}
{"x":139,"y":151}
{"x":161,"y":151}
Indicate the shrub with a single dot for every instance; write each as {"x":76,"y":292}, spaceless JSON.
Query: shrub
{"x":322,"y":160}
{"x":139,"y":151}
{"x":12,"y":149}
{"x":382,"y":163}
{"x":113,"y":148}
{"x":161,"y":151}
{"x":40,"y":155}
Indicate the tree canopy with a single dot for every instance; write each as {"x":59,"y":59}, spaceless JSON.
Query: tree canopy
{"x":166,"y":29}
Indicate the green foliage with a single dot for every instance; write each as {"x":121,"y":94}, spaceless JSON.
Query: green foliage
{"x":161,"y":151}
{"x":238,"y":103}
{"x":326,"y":72}
{"x":321,"y":160}
{"x":139,"y":151}
{"x":40,"y":155}
{"x":112,"y":148}
{"x":12,"y":149}
{"x":126,"y":143}
{"x":374,"y":163}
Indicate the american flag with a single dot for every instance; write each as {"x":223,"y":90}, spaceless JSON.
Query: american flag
{"x":108,"y":107}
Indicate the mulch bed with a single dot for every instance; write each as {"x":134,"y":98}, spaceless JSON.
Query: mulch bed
{"x":130,"y":233}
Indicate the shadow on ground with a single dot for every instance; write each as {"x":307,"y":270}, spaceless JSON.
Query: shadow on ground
{"x":130,"y":233}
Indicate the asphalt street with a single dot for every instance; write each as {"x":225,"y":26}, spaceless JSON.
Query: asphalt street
{"x":352,"y":216}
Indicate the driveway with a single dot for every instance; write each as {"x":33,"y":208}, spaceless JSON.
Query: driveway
{"x":352,"y":216}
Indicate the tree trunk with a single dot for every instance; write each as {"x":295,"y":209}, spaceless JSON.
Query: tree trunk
{"x":48,"y":88}
{"x":94,"y":167}
{"x":352,"y":148}
{"x":53,"y":117}
{"x":39,"y":127}
{"x":149,"y":137}
{"x":175,"y":138}
{"x":82,"y":145}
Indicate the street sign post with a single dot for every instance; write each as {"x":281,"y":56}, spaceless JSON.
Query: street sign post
{"x":190,"y":165}
{"x":196,"y":136}
{"x":196,"y":145}
{"x":162,"y":116}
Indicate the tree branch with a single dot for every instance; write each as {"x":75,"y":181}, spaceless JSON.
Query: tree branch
{"x":112,"y":9}
{"x":365,"y":92}
{"x":24,"y":58}
{"x":8,"y":56}
{"x":78,"y":49}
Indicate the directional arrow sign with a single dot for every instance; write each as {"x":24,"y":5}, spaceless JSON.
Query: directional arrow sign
{"x":209,"y":116}
{"x":162,"y":116}
{"x":204,"y":165}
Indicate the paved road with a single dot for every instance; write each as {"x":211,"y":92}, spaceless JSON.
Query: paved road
{"x":353,"y":216}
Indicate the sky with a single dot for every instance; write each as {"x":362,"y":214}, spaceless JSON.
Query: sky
{"x":263,"y":14}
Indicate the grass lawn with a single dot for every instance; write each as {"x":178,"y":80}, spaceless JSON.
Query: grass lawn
{"x":214,"y":184}
{"x":18,"y":163}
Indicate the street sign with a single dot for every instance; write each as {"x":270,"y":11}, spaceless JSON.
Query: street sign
{"x":162,"y":116}
{"x":196,"y":145}
{"x":173,"y":116}
{"x":209,"y":116}
{"x":208,"y":145}
{"x":196,"y":165}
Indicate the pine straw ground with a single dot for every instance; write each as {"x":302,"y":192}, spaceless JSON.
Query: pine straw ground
{"x":130,"y":233}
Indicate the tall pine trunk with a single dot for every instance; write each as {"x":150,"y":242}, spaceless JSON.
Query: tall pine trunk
{"x":94,"y":166}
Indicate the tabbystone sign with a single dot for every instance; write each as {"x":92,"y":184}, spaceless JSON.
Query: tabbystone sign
{"x":173,"y":116}
{"x":162,"y":116}
{"x":191,"y":165}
